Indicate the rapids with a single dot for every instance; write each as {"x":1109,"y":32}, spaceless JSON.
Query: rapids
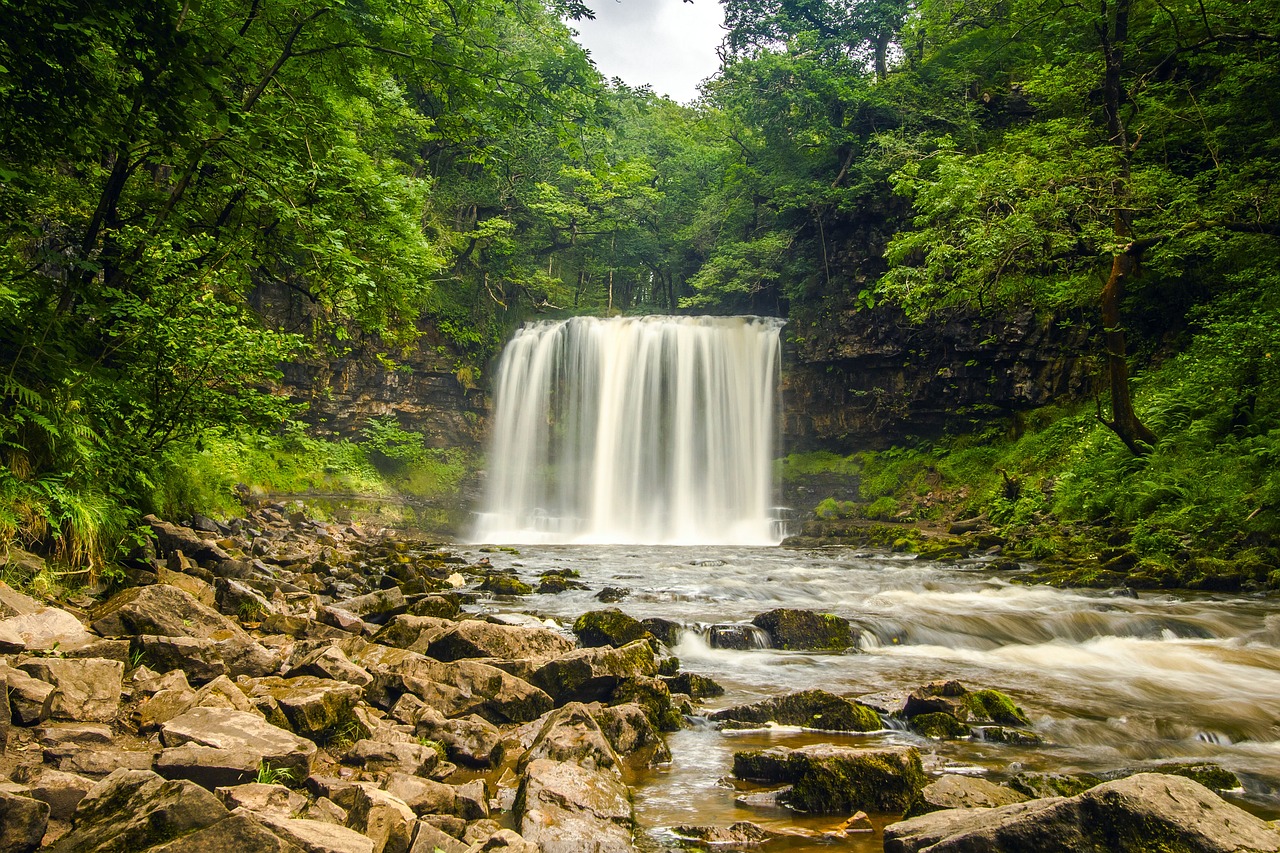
{"x":1112,"y":683}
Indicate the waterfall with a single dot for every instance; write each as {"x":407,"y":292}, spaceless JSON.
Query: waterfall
{"x":635,"y":430}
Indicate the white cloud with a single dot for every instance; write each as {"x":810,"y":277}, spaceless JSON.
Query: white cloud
{"x":667,"y":44}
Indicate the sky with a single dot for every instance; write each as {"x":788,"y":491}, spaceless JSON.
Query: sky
{"x":668,"y":44}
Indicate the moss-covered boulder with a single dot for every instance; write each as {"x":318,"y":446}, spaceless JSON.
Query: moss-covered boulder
{"x":653,"y":695}
{"x":1040,"y":785}
{"x":609,"y":627}
{"x":812,"y":709}
{"x":1210,"y":775}
{"x":591,"y":675}
{"x":956,"y":700}
{"x":664,"y":629}
{"x":828,"y":779}
{"x":994,"y":706}
{"x":939,"y":726}
{"x":694,"y":686}
{"x":505,"y":585}
{"x":1002,"y":734}
{"x":806,"y":630}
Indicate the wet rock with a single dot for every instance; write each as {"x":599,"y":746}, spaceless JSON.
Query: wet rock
{"x":329,"y":662}
{"x":609,"y":627}
{"x":505,"y":585}
{"x":739,"y":638}
{"x":1041,"y":785}
{"x":558,"y":581}
{"x":315,"y":708}
{"x":161,"y":610}
{"x":23,"y":821}
{"x":962,"y":792}
{"x":694,"y":686}
{"x":612,"y":594}
{"x":85,"y":690}
{"x":565,"y":808}
{"x":1146,"y":812}
{"x":952,"y":697}
{"x":475,"y":639}
{"x":806,"y":630}
{"x":812,"y":709}
{"x":1212,"y":776}
{"x":62,"y":792}
{"x":236,"y":833}
{"x":259,"y":797}
{"x":251,"y":739}
{"x":135,"y":810}
{"x":572,"y":734}
{"x":1001,"y":734}
{"x":632,"y":735}
{"x":736,"y":836}
{"x":589,"y":675}
{"x":667,"y":631}
{"x":653,"y":695}
{"x":939,"y":726}
{"x":471,"y":741}
{"x":829,"y":779}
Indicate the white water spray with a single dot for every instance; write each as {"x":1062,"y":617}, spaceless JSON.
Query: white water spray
{"x":635,"y":430}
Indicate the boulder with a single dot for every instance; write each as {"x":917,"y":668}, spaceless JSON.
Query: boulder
{"x":565,"y":808}
{"x":812,"y":709}
{"x":201,"y":590}
{"x":46,"y":629}
{"x":375,"y":606}
{"x":475,"y":639}
{"x":200,"y":659}
{"x":653,"y":695}
{"x":62,"y":792}
{"x":806,"y":630}
{"x":501,"y":584}
{"x":735,"y":637}
{"x":572,"y":734}
{"x":962,"y":792}
{"x":1040,"y":785}
{"x":609,"y":627}
{"x":316,"y":836}
{"x":405,"y":631}
{"x":665,"y":630}
{"x":827,"y":779}
{"x":313,"y":707}
{"x":1142,"y":813}
{"x":329,"y":662}
{"x":471,"y":741}
{"x":236,"y":833}
{"x":135,"y":810}
{"x":85,"y":690}
{"x":693,"y":685}
{"x":589,"y":675}
{"x":207,"y":766}
{"x":165,"y":611}
{"x":383,"y":818}
{"x":259,"y":797}
{"x":171,"y":538}
{"x":98,"y":762}
{"x":12,"y":602}
{"x":23,"y":822}
{"x":248,"y":736}
{"x":30,"y":699}
{"x":972,"y":706}
{"x":424,"y":796}
{"x":632,"y":735}
{"x":429,"y":839}
{"x":405,"y":757}
{"x":939,"y":726}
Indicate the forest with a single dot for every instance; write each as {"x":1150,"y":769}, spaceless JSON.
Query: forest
{"x":423,"y":170}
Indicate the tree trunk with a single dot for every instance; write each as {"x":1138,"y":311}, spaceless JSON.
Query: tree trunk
{"x":1124,"y":421}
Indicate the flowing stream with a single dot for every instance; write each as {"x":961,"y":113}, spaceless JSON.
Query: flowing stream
{"x":1112,"y":683}
{"x":634,"y":429}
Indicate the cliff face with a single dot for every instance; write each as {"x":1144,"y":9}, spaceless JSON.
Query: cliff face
{"x":856,"y":380}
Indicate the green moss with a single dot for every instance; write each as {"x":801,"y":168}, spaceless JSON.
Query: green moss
{"x":1211,"y":776}
{"x":610,"y":627}
{"x":806,"y":630}
{"x":939,"y":726}
{"x":882,"y":508}
{"x":505,"y":585}
{"x":1040,"y":785}
{"x":995,"y":706}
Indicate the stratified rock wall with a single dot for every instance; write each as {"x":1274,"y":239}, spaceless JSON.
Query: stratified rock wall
{"x":865,"y":379}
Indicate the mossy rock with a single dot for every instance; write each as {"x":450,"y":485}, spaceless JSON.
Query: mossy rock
{"x":505,"y":585}
{"x":1040,"y":785}
{"x":806,"y":630}
{"x":995,"y":706}
{"x":609,"y":627}
{"x":551,"y":584}
{"x":695,"y":686}
{"x":939,"y":725}
{"x":665,"y":630}
{"x":812,"y":709}
{"x":827,"y":779}
{"x":1011,"y":736}
{"x":439,"y":606}
{"x":654,"y":697}
{"x":1212,"y":776}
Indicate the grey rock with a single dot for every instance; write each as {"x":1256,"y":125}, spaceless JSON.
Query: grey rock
{"x":236,"y":833}
{"x":47,"y":628}
{"x":475,"y":639}
{"x":962,"y":792}
{"x":589,"y":675}
{"x":572,"y":734}
{"x":376,"y":757}
{"x":30,"y":699}
{"x":471,"y":741}
{"x":329,"y":662}
{"x":22,"y":823}
{"x":566,"y":808}
{"x":244,"y":733}
{"x":161,"y":610}
{"x":87,"y":690}
{"x":62,"y":792}
{"x":314,"y":836}
{"x":198,"y":658}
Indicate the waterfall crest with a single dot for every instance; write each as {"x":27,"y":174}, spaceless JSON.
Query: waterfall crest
{"x":635,"y":430}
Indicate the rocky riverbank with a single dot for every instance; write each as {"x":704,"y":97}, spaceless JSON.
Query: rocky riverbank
{"x":283,"y":684}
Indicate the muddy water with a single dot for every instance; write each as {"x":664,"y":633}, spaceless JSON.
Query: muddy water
{"x":1112,"y":683}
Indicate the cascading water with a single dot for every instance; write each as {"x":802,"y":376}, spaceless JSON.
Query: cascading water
{"x":635,"y":430}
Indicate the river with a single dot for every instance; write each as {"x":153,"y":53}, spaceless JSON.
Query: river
{"x":1112,"y":683}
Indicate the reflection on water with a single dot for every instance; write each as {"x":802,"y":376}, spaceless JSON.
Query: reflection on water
{"x":1112,"y":683}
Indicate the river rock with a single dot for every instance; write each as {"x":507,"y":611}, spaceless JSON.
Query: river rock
{"x":812,"y":709}
{"x":665,"y":630}
{"x":406,"y":631}
{"x":565,"y":808}
{"x":165,"y":611}
{"x":962,"y":792}
{"x":571,"y":733}
{"x":46,"y":629}
{"x":383,"y":818}
{"x":329,"y":662}
{"x":741,"y":835}
{"x":455,"y":688}
{"x":827,"y":779}
{"x":423,"y":796}
{"x":475,"y":639}
{"x":375,"y":606}
{"x":589,"y":675}
{"x":236,"y":833}
{"x":248,"y":736}
{"x":1139,"y":814}
{"x":136,"y":810}
{"x":85,"y":690}
{"x":200,"y":659}
{"x":806,"y":630}
{"x":1041,"y":785}
{"x":610,"y":627}
{"x":632,"y":735}
{"x":471,"y":741}
{"x":735,"y":637}
{"x":952,"y":697}
{"x":171,"y":537}
{"x":404,"y":757}
{"x":693,"y":685}
{"x":30,"y":699}
{"x":313,"y":707}
{"x":315,"y":836}
{"x":23,"y":822}
{"x":62,"y":792}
